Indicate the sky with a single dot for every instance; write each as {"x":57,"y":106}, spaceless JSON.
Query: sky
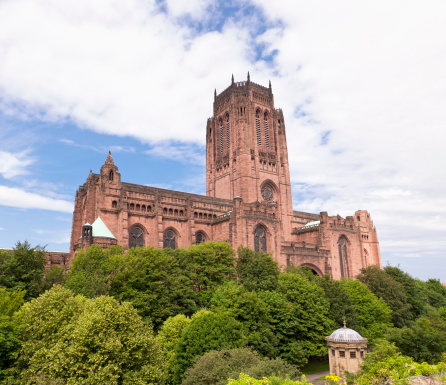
{"x":362,"y":86}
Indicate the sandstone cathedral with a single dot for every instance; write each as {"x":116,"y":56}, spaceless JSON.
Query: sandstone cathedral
{"x":248,"y":198}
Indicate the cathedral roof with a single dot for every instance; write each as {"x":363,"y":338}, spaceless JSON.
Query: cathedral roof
{"x":346,"y":335}
{"x":100,"y":230}
{"x":311,"y":224}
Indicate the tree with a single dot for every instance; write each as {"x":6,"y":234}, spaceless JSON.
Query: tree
{"x":167,"y":338}
{"x":23,"y":268}
{"x":156,"y":284}
{"x":86,"y":341}
{"x":93,"y":272}
{"x":246,"y":307}
{"x":215,"y":367}
{"x":414,"y":289}
{"x":10,"y":302}
{"x":340,"y":303}
{"x":425,"y":340}
{"x":210,"y":264}
{"x":207,"y":332}
{"x":299,"y":318}
{"x":373,"y":313}
{"x":436,"y":293}
{"x":392,"y":292}
{"x":256,"y":271}
{"x":55,"y":275}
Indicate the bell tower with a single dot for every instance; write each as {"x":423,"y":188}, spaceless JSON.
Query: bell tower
{"x":246,"y":150}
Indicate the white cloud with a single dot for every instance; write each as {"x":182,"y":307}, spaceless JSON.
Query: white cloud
{"x":98,"y":148}
{"x":184,"y":153}
{"x":1,"y":229}
{"x":15,"y":197}
{"x":14,"y":164}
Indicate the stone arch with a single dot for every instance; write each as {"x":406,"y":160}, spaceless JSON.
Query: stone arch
{"x":269,"y":187}
{"x":200,"y":236}
{"x":258,"y":128}
{"x":262,"y":237}
{"x":314,"y":269}
{"x":344,"y":254}
{"x":170,"y":238}
{"x":137,"y":234}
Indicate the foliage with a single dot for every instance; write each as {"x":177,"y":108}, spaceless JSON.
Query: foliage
{"x":55,"y":275}
{"x":23,"y":269}
{"x":340,"y":303}
{"x":425,"y":340}
{"x":256,"y":271}
{"x":85,"y":341}
{"x":373,"y":313}
{"x":251,"y":311}
{"x":386,"y":363}
{"x":155,"y":283}
{"x":244,"y":379}
{"x":167,"y":338}
{"x":391,"y":291}
{"x":94,"y":270}
{"x":306,"y":318}
{"x":436,"y":293}
{"x":207,"y":332}
{"x":333,"y":379}
{"x":10,"y":302}
{"x":413,"y":288}
{"x":210,"y":264}
{"x":215,"y":367}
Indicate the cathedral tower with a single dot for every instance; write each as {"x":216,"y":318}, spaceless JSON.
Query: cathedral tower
{"x":246,"y":150}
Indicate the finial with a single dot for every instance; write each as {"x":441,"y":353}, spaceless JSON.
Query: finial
{"x":109,"y":152}
{"x":270,"y":84}
{"x":215,"y":94}
{"x":232,"y":78}
{"x":344,"y":322}
{"x":248,"y":77}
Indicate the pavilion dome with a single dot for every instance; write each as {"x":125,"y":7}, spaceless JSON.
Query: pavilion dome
{"x":346,"y":335}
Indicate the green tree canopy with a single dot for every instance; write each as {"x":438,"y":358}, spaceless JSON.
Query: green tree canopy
{"x":256,"y":271}
{"x":85,"y":341}
{"x":216,"y":367}
{"x":373,"y":313}
{"x":299,"y":311}
{"x":340,"y":303}
{"x":391,"y":291}
{"x":251,"y":311}
{"x":206,"y":332}
{"x":167,"y":338}
{"x":23,"y":268}
{"x":93,"y":271}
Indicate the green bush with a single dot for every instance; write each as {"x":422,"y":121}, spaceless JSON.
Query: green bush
{"x":216,"y":367}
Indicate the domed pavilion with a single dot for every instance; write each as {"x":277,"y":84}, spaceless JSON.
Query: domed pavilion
{"x":346,"y":350}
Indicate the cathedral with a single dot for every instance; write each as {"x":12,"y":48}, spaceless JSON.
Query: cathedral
{"x":248,"y":198}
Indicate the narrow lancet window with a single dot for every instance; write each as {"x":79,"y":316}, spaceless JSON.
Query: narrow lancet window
{"x":265,"y":127}
{"x":258,"y":132}
{"x":221,"y":135}
{"x":228,"y":136}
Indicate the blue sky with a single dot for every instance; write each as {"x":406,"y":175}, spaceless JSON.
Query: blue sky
{"x":362,"y":87}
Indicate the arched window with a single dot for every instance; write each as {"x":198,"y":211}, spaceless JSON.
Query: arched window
{"x":195,"y":215}
{"x":199,"y":237}
{"x":143,"y":208}
{"x":259,"y":240}
{"x":138,"y":208}
{"x":343,"y":257}
{"x":114,"y":205}
{"x":220,"y":124}
{"x":205,"y":217}
{"x":164,"y":211}
{"x":110,"y":175}
{"x":228,"y":136}
{"x":170,"y":212}
{"x":169,"y":239}
{"x":132,"y":207}
{"x":175,"y":212}
{"x":265,"y":127}
{"x":181,"y":213}
{"x":200,"y":216}
{"x":136,"y":238}
{"x":149,"y":209}
{"x":258,"y":132}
